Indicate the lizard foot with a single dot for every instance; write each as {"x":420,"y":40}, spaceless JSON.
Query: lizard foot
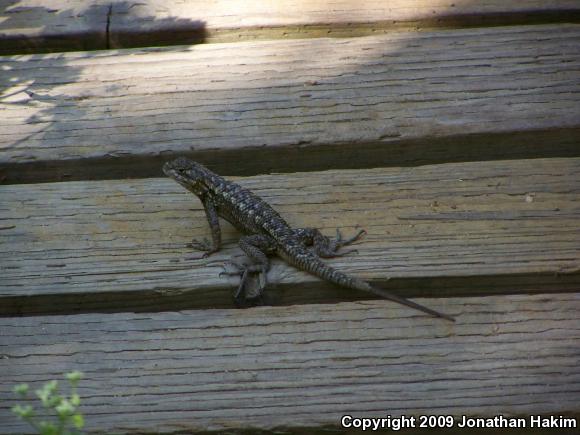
{"x":204,"y":246}
{"x":328,"y":248}
{"x":340,"y":242}
{"x":245,"y":272}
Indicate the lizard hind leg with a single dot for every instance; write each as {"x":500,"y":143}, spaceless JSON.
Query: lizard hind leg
{"x":257,"y":247}
{"x":324,"y":246}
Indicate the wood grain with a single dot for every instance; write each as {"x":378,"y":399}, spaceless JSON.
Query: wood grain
{"x":302,"y":366}
{"x":402,"y":99}
{"x":454,"y":229}
{"x":162,"y":22}
{"x":31,"y":26}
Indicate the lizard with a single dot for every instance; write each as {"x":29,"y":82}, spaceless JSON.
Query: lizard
{"x":266,"y":233}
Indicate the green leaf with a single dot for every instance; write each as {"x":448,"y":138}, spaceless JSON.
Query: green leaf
{"x":78,"y":421}
{"x":25,"y":411}
{"x":47,"y":394}
{"x":74,"y":376}
{"x":64,"y":408}
{"x":51,"y":386}
{"x":21,"y":389}
{"x":44,"y":395}
{"x":75,"y":399}
{"x":55,"y":401}
{"x":47,"y":428}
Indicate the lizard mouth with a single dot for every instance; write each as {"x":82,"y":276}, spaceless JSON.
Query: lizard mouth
{"x":168,"y":169}
{"x":172,"y":172}
{"x":177,"y":175}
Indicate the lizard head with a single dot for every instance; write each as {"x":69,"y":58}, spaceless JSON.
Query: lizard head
{"x":188,"y":173}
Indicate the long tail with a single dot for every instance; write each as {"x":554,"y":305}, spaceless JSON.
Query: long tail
{"x":392,"y":297}
{"x":308,"y":262}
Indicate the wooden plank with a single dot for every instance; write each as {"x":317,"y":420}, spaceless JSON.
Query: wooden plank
{"x":247,"y":108}
{"x":306,"y":366}
{"x":30,"y":26}
{"x":162,"y":22}
{"x":454,"y":229}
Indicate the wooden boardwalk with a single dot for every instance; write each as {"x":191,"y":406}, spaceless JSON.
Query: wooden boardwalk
{"x":449,"y":131}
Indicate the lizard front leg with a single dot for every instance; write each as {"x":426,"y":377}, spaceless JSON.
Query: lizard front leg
{"x":257,"y":247}
{"x":214,"y":226}
{"x":324,"y":246}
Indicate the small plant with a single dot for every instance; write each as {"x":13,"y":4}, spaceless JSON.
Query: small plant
{"x":67,"y":421}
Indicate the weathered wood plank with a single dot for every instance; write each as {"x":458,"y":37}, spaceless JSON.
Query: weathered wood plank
{"x":437,"y":230}
{"x":303,"y":366}
{"x":30,"y":26}
{"x":294,"y":105}
{"x":158,"y":21}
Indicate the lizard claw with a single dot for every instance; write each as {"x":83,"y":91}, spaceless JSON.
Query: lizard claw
{"x":242,"y":295}
{"x":339,"y":242}
{"x":343,"y":242}
{"x":239,"y":269}
{"x":204,"y":245}
{"x":329,"y":248}
{"x":242,"y":286}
